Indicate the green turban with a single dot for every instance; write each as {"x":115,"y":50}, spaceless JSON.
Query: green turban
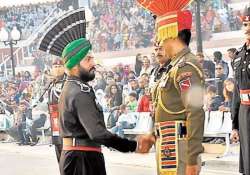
{"x":75,"y":51}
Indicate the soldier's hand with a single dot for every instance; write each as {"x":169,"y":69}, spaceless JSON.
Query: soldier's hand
{"x":145,"y":142}
{"x":235,"y":136}
{"x":192,"y":170}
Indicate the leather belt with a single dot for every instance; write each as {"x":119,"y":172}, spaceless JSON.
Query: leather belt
{"x":245,"y":97}
{"x":77,"y":144}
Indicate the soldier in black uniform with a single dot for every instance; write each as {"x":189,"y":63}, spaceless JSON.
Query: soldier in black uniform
{"x":82,"y":126}
{"x":241,"y":99}
{"x":54,"y":92}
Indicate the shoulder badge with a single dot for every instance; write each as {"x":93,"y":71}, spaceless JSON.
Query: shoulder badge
{"x":185,"y":84}
{"x":84,"y":87}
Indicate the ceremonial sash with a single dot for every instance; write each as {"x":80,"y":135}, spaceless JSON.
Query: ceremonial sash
{"x":54,"y":119}
{"x":168,"y":133}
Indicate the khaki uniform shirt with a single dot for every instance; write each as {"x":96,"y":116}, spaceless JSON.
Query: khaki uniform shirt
{"x":179,"y":96}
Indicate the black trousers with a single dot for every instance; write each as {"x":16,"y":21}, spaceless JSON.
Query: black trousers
{"x":58,"y":149}
{"x":82,"y":163}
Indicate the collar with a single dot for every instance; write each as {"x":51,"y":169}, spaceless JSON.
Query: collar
{"x":62,"y":77}
{"x":165,"y":64}
{"x":71,"y":77}
{"x":179,"y":55}
{"x":247,"y":46}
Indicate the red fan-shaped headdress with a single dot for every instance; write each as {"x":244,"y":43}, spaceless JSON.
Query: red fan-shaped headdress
{"x":171,"y":18}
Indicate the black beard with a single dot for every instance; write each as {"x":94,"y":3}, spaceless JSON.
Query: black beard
{"x":85,"y":75}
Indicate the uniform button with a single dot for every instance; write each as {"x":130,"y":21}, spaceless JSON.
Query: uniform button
{"x":247,"y":53}
{"x":243,"y":70}
{"x":244,"y":62}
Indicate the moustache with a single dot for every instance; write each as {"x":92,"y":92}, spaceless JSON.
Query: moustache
{"x":247,"y":32}
{"x":159,"y":55}
{"x":93,"y":69}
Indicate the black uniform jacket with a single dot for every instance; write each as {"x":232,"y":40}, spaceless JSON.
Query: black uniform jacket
{"x":241,"y":66}
{"x":81,"y":117}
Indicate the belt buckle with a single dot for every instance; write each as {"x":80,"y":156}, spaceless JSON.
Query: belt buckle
{"x":74,"y":142}
{"x":181,"y":130}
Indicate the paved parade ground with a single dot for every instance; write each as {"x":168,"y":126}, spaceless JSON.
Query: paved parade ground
{"x":41,"y":160}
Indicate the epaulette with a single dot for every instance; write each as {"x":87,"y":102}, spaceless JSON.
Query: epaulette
{"x":83,"y":87}
{"x":239,"y":50}
{"x":182,"y":63}
{"x":237,"y":58}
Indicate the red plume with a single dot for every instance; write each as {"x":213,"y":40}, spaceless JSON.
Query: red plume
{"x":161,"y":7}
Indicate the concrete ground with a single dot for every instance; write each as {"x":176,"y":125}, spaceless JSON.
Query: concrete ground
{"x":40,"y":160}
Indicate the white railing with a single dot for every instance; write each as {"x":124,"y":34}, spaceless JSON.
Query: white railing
{"x":217,"y":124}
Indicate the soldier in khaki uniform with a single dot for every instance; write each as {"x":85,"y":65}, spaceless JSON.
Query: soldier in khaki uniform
{"x":178,"y":98}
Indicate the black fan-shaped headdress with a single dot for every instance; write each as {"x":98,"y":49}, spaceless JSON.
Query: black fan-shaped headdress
{"x":69,"y":27}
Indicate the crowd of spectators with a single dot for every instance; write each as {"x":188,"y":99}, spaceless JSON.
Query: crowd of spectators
{"x":215,"y":20}
{"x":119,"y":25}
{"x":17,"y":99}
{"x":25,"y":18}
{"x":124,"y":89}
{"x":219,"y":81}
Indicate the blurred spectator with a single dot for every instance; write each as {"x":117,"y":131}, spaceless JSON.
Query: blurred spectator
{"x":231,"y":54}
{"x":110,"y":81}
{"x":126,"y":74}
{"x":126,"y":120}
{"x":133,"y":87}
{"x":138,"y":64}
{"x":228,"y":95}
{"x":132,"y":102}
{"x":114,"y":96}
{"x":142,"y":84}
{"x":131,"y":75}
{"x":213,"y":101}
{"x":145,"y":76}
{"x":146,"y":67}
{"x":100,"y":82}
{"x":218,"y":59}
{"x":207,"y":65}
{"x":23,"y":114}
{"x":144,"y":102}
{"x":220,"y":78}
{"x":100,"y":97}
{"x":153,"y":60}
